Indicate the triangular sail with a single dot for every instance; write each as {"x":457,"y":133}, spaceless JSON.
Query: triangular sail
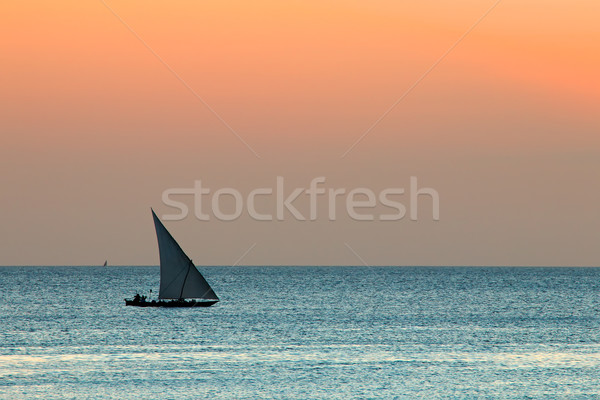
{"x":179,"y":278}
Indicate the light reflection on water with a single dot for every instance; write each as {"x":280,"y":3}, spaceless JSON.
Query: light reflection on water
{"x":338,"y":355}
{"x":302,"y":332}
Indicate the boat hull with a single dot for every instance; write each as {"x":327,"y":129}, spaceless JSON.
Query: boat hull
{"x":170,"y":303}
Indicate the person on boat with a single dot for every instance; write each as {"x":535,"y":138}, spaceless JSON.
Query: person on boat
{"x":136,"y":298}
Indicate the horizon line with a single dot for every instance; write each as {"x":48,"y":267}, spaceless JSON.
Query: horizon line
{"x":305,"y":265}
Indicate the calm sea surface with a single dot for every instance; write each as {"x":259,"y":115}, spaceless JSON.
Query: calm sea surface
{"x":303,"y":333}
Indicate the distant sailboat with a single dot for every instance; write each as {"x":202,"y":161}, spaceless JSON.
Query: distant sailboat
{"x":105,"y":263}
{"x":181,"y":284}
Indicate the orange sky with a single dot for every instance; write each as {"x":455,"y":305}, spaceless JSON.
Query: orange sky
{"x":83,"y":100}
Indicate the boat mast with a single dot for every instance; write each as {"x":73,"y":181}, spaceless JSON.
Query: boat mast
{"x":185,"y":279}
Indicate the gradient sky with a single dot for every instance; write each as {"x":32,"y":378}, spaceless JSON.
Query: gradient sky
{"x":93,"y":127}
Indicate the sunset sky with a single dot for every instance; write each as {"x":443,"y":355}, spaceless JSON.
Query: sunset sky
{"x":94,"y":127}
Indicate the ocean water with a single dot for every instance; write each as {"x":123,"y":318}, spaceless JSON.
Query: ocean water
{"x":304,"y":333}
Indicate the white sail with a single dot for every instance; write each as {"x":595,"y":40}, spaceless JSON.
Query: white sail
{"x":179,"y":278}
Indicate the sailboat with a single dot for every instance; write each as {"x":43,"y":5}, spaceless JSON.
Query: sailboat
{"x":105,"y":263}
{"x":181,"y":284}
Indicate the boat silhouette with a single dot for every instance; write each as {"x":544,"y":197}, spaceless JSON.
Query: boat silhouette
{"x":181,"y":284}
